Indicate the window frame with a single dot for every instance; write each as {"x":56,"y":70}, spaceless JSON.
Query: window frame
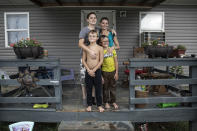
{"x":152,"y":12}
{"x":7,"y":30}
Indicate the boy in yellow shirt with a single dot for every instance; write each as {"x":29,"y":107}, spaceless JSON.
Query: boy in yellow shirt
{"x":109,"y":73}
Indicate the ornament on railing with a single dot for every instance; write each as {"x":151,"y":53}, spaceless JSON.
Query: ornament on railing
{"x":27,"y":80}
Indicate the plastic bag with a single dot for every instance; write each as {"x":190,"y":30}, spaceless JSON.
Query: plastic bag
{"x":3,"y":75}
{"x":22,"y":126}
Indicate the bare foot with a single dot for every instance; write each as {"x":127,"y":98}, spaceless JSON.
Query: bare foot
{"x":107,"y":106}
{"x":100,"y":108}
{"x":115,"y":105}
{"x":89,"y":109}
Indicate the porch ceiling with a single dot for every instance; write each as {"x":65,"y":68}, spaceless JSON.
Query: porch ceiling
{"x":98,"y":3}
{"x":16,"y":2}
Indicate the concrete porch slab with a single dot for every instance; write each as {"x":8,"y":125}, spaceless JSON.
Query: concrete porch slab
{"x":96,"y":126}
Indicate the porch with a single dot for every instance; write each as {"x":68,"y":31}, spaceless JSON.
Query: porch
{"x":73,"y":110}
{"x":68,"y":107}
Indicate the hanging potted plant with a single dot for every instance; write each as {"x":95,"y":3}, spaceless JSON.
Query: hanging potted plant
{"x":27,"y":48}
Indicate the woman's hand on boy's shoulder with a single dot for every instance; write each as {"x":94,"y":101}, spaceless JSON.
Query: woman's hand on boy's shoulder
{"x":92,"y":54}
{"x":113,"y":32}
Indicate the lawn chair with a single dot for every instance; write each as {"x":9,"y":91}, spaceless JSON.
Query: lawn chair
{"x":70,"y":76}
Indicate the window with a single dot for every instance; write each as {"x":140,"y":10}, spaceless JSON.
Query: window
{"x":16,"y":26}
{"x":151,"y":22}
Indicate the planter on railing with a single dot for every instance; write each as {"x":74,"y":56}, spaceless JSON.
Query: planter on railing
{"x":158,"y":51}
{"x":177,"y":53}
{"x":24,"y":52}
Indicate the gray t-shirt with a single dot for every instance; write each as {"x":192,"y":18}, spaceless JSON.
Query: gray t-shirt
{"x":84,"y":34}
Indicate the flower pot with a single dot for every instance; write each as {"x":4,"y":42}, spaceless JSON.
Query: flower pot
{"x":177,"y":53}
{"x":158,"y":51}
{"x":180,"y":52}
{"x":17,"y":52}
{"x":24,"y":52}
{"x":37,"y":51}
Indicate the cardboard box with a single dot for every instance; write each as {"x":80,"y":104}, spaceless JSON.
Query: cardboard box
{"x":161,"y":89}
{"x":141,"y":94}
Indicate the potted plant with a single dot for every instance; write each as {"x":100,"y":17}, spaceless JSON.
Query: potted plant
{"x":27,"y":48}
{"x":178,"y":51}
{"x":154,"y":49}
{"x":181,"y":49}
{"x":176,"y":70}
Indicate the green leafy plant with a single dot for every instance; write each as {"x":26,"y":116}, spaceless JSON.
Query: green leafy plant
{"x":145,"y":44}
{"x":155,"y":42}
{"x":26,"y":43}
{"x":177,"y":69}
{"x":181,"y":47}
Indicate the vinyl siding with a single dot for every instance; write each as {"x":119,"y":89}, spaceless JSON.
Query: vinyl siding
{"x":58,"y":30}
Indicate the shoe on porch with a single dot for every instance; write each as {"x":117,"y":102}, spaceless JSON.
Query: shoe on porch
{"x":35,"y":106}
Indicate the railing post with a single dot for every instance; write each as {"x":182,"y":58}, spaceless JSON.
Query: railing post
{"x":58,"y":88}
{"x":131,"y":87}
{"x":0,"y":90}
{"x":193,"y":89}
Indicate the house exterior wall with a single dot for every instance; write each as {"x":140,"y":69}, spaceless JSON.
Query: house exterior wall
{"x":58,"y":30}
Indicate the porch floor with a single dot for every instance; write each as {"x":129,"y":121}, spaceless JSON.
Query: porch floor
{"x":73,"y":109}
{"x":72,"y":99}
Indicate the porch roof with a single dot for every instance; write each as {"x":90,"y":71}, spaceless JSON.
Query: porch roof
{"x":99,"y":3}
{"x":86,"y":3}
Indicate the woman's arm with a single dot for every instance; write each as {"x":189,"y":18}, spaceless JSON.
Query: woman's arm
{"x":117,"y":46}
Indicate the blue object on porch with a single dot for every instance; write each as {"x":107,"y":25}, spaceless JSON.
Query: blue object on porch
{"x":70,"y":76}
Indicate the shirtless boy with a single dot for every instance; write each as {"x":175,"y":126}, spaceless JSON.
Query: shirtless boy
{"x":93,"y":71}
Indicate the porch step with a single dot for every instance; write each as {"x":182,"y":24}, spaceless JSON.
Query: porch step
{"x":95,"y":126}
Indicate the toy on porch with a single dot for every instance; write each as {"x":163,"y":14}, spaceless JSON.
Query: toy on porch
{"x":27,"y":80}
